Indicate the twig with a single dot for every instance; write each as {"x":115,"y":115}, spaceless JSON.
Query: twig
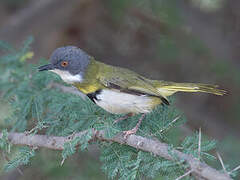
{"x":63,"y":160}
{"x":156,"y":147}
{"x":7,"y":159}
{"x":184,"y":175}
{"x":221,"y":161}
{"x":199,"y":143}
{"x":235,"y":169}
{"x":170,"y":124}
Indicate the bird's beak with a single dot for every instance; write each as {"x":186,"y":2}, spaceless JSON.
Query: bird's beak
{"x":46,"y":67}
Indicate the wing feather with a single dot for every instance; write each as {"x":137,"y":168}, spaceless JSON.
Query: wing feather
{"x":130,"y":82}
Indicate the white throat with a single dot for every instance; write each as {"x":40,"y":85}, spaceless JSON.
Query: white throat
{"x":68,"y":77}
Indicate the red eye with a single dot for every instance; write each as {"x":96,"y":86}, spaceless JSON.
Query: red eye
{"x":64,"y":63}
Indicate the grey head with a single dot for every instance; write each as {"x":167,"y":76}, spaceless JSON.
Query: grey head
{"x":69,"y":62}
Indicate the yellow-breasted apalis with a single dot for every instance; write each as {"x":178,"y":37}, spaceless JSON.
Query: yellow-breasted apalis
{"x":115,"y":89}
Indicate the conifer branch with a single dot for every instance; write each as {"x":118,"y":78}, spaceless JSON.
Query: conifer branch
{"x":198,"y":169}
{"x":184,"y":175}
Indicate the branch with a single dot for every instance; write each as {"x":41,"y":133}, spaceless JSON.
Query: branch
{"x":156,"y":147}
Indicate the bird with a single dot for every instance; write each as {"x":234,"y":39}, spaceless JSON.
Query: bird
{"x":115,"y":89}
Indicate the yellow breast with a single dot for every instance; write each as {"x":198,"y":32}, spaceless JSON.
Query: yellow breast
{"x":86,"y":89}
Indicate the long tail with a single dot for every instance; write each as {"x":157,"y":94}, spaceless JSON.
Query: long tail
{"x":169,"y":88}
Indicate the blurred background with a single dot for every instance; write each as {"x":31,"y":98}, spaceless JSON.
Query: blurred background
{"x":182,"y":41}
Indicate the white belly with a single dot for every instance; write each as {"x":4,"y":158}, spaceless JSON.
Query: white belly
{"x":117,"y":102}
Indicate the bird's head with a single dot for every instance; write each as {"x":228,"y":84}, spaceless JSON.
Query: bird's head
{"x":69,"y":62}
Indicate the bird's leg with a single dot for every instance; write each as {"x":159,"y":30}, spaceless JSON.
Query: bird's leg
{"x":134,"y":130}
{"x":123,"y":118}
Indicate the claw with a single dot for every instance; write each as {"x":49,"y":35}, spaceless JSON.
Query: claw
{"x":134,"y":130}
{"x":129,"y":132}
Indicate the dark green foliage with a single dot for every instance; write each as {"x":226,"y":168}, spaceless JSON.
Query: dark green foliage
{"x":129,"y":163}
{"x":4,"y":144}
{"x":22,"y":158}
{"x":70,"y":147}
{"x":39,"y":108}
{"x":190,"y":146}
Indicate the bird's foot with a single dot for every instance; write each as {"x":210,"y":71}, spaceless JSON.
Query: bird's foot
{"x":134,"y":130}
{"x":130,"y":132}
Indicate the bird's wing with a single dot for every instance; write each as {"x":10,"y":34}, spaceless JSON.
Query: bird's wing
{"x":130,"y":82}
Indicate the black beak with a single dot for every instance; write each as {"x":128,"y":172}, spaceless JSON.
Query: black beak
{"x":46,"y":67}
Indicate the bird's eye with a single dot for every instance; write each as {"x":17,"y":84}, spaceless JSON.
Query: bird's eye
{"x":64,"y":63}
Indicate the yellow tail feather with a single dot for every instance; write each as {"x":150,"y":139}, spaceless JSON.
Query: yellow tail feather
{"x":169,"y":88}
